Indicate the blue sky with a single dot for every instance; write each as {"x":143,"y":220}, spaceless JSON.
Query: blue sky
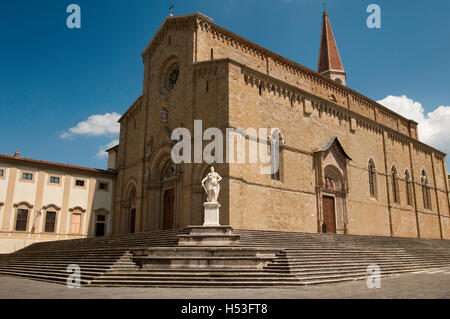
{"x":53,"y":78}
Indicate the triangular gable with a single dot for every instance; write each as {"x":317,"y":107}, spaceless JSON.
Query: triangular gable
{"x":329,"y":143}
{"x":173,"y":19}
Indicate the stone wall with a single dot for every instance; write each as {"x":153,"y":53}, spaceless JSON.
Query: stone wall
{"x":226,"y":81}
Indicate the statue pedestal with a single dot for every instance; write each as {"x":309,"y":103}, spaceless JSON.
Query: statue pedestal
{"x":211,"y":214}
{"x":212,"y":235}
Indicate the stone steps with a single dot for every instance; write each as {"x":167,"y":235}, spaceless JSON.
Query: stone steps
{"x":336,"y":264}
{"x":331,"y":267}
{"x":232,"y":282}
{"x":288,"y":259}
{"x":47,"y":278}
{"x":321,"y":261}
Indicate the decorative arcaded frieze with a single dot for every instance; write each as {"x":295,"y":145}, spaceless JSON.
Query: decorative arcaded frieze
{"x":356,"y":120}
{"x":203,"y":25}
{"x":353,"y":124}
{"x":421,"y":149}
{"x":398,"y":138}
{"x":276,"y":87}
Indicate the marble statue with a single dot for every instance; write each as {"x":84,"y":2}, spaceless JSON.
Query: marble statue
{"x":211,"y":185}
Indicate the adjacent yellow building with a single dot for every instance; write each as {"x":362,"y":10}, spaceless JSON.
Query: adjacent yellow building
{"x":42,"y":201}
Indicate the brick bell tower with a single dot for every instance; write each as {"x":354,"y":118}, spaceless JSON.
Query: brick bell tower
{"x":330,"y":64}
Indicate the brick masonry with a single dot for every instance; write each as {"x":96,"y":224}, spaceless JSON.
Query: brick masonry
{"x":221,"y":76}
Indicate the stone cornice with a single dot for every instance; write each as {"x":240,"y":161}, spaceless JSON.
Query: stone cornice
{"x":77,"y":208}
{"x":198,"y":20}
{"x":289,"y":91}
{"x":298,"y":69}
{"x":54,"y":166}
{"x":51,"y":206}
{"x":24,"y":203}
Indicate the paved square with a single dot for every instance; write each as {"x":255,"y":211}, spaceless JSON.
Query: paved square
{"x":431,"y":284}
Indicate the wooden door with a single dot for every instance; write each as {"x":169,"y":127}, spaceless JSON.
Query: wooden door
{"x":169,"y":208}
{"x":329,"y":215}
{"x":133,"y":220}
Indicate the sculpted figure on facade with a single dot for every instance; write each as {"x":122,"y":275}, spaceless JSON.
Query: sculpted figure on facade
{"x":211,"y":186}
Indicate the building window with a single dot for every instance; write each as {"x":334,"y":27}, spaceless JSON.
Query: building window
{"x":50,"y":222}
{"x":22,"y":220}
{"x":426,"y":190}
{"x":27,"y":176}
{"x":172,"y":76}
{"x":275,"y":155}
{"x":54,"y":179}
{"x":75,"y":224}
{"x":103,"y":186}
{"x":372,"y":178}
{"x":79,"y":183}
{"x":2,"y":173}
{"x":408,"y":188}
{"x":212,"y":54}
{"x":394,"y":184}
{"x":260,"y":90}
{"x":207,"y":86}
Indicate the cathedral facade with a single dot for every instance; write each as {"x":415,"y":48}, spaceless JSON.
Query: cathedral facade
{"x":347,"y":164}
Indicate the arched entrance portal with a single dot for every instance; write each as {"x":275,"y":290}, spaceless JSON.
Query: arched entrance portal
{"x":333,"y":200}
{"x":331,"y":169}
{"x":163,"y":188}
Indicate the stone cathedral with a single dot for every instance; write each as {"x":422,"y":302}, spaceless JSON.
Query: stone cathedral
{"x":347,"y":164}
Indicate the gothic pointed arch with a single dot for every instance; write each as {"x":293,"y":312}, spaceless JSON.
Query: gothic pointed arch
{"x":426,"y":189}
{"x":130,"y":185}
{"x":408,"y":187}
{"x":334,"y":180}
{"x":394,"y":181}
{"x":331,"y":162}
{"x":164,"y":136}
{"x":158,"y":161}
{"x":372,"y":169}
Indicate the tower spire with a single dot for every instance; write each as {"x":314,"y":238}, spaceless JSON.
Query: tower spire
{"x":330,"y":64}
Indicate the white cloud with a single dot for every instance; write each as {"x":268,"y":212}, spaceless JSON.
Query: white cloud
{"x":434,"y":127}
{"x":95,"y":125}
{"x":102,"y":150}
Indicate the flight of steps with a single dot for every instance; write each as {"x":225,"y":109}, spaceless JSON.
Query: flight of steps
{"x":48,"y":261}
{"x":301,"y":259}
